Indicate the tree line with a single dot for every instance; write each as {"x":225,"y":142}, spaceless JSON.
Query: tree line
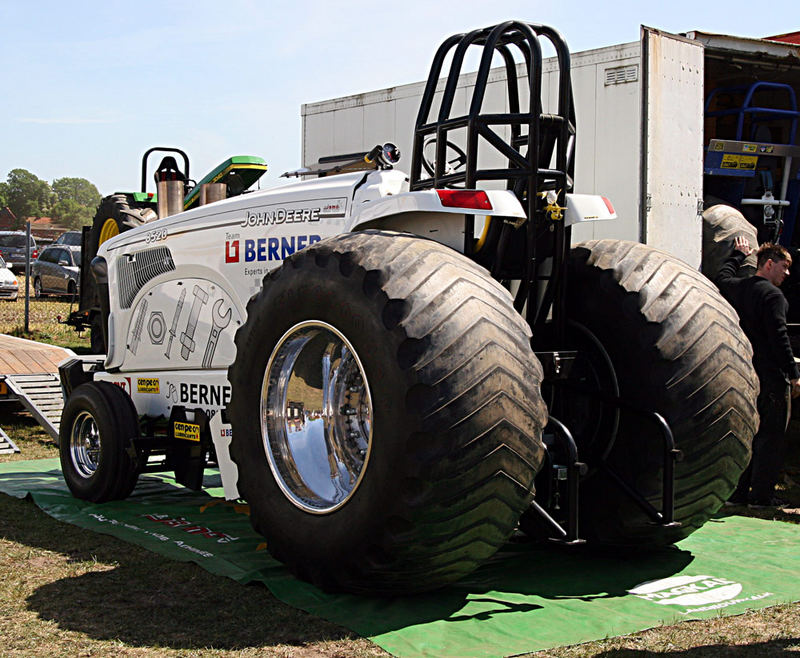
{"x":70,"y":202}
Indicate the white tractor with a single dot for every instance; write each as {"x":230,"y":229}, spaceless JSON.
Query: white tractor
{"x":398,"y":371}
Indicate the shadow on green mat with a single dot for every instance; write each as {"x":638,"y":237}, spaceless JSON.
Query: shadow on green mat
{"x":559,"y":573}
{"x":519,"y":571}
{"x":145,"y":600}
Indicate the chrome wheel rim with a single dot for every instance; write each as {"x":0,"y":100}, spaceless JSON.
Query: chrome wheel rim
{"x":316,"y":417}
{"x":84,"y":445}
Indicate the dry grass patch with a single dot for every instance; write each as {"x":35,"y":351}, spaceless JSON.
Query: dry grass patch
{"x":68,"y":592}
{"x":45,"y":320}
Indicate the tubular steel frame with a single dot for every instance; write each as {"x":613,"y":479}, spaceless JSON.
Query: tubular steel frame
{"x":540,"y":160}
{"x":539,"y":152}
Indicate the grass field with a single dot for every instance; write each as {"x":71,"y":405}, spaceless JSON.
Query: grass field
{"x":45,"y":320}
{"x":68,"y":592}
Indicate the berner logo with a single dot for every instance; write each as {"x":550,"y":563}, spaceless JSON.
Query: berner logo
{"x":687,"y":590}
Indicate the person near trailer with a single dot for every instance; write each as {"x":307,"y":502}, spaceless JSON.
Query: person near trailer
{"x":762,"y":312}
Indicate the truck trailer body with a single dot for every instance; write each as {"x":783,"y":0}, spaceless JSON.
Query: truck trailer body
{"x":644,"y":134}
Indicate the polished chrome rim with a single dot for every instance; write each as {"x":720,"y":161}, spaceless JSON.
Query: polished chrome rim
{"x":84,"y":445}
{"x":316,"y":417}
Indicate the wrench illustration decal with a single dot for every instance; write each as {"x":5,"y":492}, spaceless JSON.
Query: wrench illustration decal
{"x":220,"y":320}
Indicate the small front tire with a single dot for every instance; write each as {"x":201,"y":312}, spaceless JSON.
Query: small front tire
{"x":98,"y":424}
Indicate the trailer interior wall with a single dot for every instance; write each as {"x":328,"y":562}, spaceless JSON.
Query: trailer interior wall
{"x":732,"y":63}
{"x":605,"y":84}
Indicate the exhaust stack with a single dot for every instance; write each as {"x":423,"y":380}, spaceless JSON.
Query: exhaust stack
{"x":211,"y":192}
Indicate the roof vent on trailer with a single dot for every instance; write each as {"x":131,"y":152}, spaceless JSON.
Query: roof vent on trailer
{"x":137,"y":269}
{"x":621,"y":74}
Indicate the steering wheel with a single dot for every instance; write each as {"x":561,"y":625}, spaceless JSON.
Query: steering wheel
{"x":451,"y":165}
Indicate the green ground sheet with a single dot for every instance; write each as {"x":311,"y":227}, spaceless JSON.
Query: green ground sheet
{"x":528,"y":597}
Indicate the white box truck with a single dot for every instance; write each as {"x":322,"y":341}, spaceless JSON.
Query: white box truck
{"x":645,"y":138}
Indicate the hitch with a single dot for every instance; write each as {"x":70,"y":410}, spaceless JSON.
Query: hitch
{"x":558,"y":485}
{"x":670,"y":455}
{"x":558,"y":440}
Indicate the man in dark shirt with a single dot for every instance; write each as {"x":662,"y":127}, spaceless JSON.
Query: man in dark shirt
{"x":762,"y":314}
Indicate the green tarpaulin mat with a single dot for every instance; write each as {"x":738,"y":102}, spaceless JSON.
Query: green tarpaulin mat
{"x":528,"y":597}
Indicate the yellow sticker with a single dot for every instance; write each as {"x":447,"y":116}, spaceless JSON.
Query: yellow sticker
{"x":732,"y":161}
{"x":186,"y":431}
{"x":749,"y":148}
{"x":147,"y":385}
{"x":719,"y":146}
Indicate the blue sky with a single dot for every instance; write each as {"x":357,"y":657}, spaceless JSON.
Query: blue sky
{"x":89,"y":86}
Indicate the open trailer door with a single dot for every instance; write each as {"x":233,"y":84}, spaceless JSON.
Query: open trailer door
{"x":672,"y":144}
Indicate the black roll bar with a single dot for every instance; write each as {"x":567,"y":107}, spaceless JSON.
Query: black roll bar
{"x":163,"y":149}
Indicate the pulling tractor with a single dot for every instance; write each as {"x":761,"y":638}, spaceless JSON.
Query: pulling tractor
{"x":398,"y":371}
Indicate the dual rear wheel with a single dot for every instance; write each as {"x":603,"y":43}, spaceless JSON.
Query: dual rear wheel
{"x":674,"y":346}
{"x":387,"y":435}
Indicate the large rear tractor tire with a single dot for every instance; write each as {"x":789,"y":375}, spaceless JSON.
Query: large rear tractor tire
{"x":386,"y":414}
{"x":115,"y":215}
{"x":721,"y":225}
{"x":676,"y":348}
{"x":97,"y":426}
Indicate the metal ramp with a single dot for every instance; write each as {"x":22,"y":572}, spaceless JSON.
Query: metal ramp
{"x":42,"y":396}
{"x":7,"y":446}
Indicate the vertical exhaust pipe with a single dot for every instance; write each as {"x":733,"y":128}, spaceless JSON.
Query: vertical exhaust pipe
{"x":211,"y":192}
{"x":170,"y":197}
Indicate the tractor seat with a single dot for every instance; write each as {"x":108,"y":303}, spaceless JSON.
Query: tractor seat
{"x":168,"y":170}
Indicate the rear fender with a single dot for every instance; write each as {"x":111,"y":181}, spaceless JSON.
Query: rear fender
{"x":424,"y":213}
{"x":587,"y":208}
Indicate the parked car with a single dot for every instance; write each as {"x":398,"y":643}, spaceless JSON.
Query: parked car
{"x":12,"y":249}
{"x":9,"y":287}
{"x":57,"y":271}
{"x":70,"y":239}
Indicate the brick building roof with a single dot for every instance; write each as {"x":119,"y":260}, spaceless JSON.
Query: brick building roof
{"x":41,"y":227}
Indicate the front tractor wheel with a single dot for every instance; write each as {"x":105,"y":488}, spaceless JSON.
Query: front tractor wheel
{"x":97,"y":426}
{"x":386,"y":414}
